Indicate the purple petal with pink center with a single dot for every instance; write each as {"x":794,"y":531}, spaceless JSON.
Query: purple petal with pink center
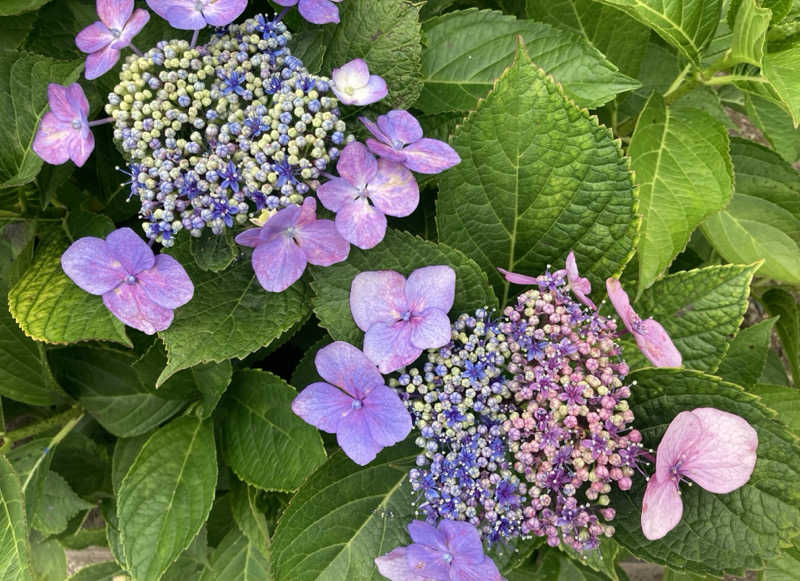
{"x":385,"y":151}
{"x":93,"y":38}
{"x":278,"y":263}
{"x":377,"y":296}
{"x":323,"y":406}
{"x":361,"y":224}
{"x":373,"y":128}
{"x":132,"y":28}
{"x":357,"y":165}
{"x":60,"y":103}
{"x":389,"y":345}
{"x":430,"y":156}
{"x":131,"y":305}
{"x":78,"y":101}
{"x":321,"y":242}
{"x":430,"y":329}
{"x":335,"y":193}
{"x":347,"y":367}
{"x":431,"y":286}
{"x":394,"y":191}
{"x":167,"y":283}
{"x":90,"y":264}
{"x":682,"y":433}
{"x":100,"y":62}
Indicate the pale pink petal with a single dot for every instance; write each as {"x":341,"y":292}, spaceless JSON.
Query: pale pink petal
{"x":429,"y":562}
{"x":353,"y":436}
{"x":161,"y":7}
{"x":167,"y":283}
{"x":430,"y":156}
{"x":656,"y":344}
{"x":132,"y":28}
{"x":347,"y":367}
{"x":223,"y":12}
{"x":373,"y":128}
{"x":308,"y":212}
{"x":361,"y":224}
{"x":385,"y":151}
{"x":322,"y":406}
{"x":91,"y":266}
{"x":389,"y":346}
{"x":430,"y":329}
{"x":133,"y":252}
{"x":94,"y":37}
{"x":622,"y":304}
{"x":518,"y":278}
{"x":662,"y":508}
{"x":80,"y":148}
{"x":185,"y":16}
{"x":387,"y":418}
{"x":336,"y":193}
{"x":377,"y":296}
{"x":683,"y":431}
{"x":321,"y":242}
{"x":351,"y":75}
{"x":579,"y":285}
{"x":372,"y":92}
{"x":114,"y":13}
{"x":130,"y":305}
{"x":100,"y":62}
{"x":52,"y":139}
{"x":60,"y":104}
{"x":319,"y":11}
{"x":278,"y":263}
{"x":394,"y":566}
{"x":78,"y":101}
{"x":250,"y":237}
{"x":484,"y":570}
{"x":431,"y":286}
{"x":401,"y":128}
{"x":357,"y":165}
{"x":394,"y":191}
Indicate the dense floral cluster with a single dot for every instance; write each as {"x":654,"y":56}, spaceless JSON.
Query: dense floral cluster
{"x":214,"y":133}
{"x":523,"y":419}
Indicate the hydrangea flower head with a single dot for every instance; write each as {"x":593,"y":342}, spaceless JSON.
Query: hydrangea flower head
{"x":288,"y":241}
{"x":398,"y":136}
{"x":140,"y":289}
{"x":64,"y":132}
{"x":580,"y":286}
{"x":196,"y":14}
{"x":450,"y":552}
{"x":366,"y":192}
{"x":353,"y":84}
{"x":715,"y":449}
{"x":315,"y":11}
{"x":353,"y":403}
{"x":402,"y":317}
{"x":650,"y":336}
{"x":103,"y":40}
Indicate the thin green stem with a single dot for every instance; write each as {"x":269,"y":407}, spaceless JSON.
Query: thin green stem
{"x":728,"y":79}
{"x":62,"y":433}
{"x":47,"y":424}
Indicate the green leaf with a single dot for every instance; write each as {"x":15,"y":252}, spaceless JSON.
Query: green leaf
{"x":11,"y":7}
{"x":701,"y":310}
{"x":785,"y":566}
{"x":750,"y":33}
{"x":15,"y":551}
{"x":249,"y":518}
{"x":601,"y":560}
{"x":49,"y":307}
{"x":718,"y":532}
{"x":108,"y":571}
{"x":402,"y":252}
{"x":783,"y":304}
{"x":166,"y":495}
{"x":779,"y":9}
{"x":465,"y":52}
{"x":776,"y":125}
{"x":125,"y":452}
{"x":744,"y":362}
{"x":343,"y":517}
{"x":236,"y":559}
{"x":780,"y":68}
{"x":688,"y":25}
{"x":538,"y":177}
{"x":783,"y":400}
{"x":79,"y":223}
{"x":763,"y":219}
{"x":48,"y":560}
{"x":108,"y":387}
{"x":261,"y":435}
{"x":774,"y":371}
{"x":555,"y":566}
{"x":57,"y":504}
{"x":15,"y":30}
{"x":23,"y":80}
{"x":229,"y":316}
{"x":31,"y":461}
{"x":676,"y":154}
{"x":213,"y":252}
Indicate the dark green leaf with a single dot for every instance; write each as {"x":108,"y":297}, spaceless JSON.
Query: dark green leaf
{"x":56,"y":505}
{"x":11,"y":7}
{"x":15,"y":30}
{"x":783,"y":304}
{"x":125,"y":452}
{"x":15,"y":551}
{"x":744,"y":362}
{"x":48,"y":560}
{"x":774,"y":370}
{"x":213,"y":252}
{"x":783,"y":400}
{"x":236,"y":559}
{"x":79,"y":223}
{"x":249,"y":518}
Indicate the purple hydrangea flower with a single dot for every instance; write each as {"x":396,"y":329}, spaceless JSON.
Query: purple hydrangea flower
{"x":104,"y":39}
{"x":451,"y":552}
{"x":64,"y":132}
{"x":315,"y":11}
{"x":650,"y":336}
{"x":399,"y":138}
{"x":288,"y":241}
{"x":365,"y":415}
{"x":196,"y":14}
{"x":579,"y":285}
{"x":716,"y":449}
{"x":353,"y":84}
{"x":390,"y":187}
{"x":402,"y":317}
{"x":139,"y":288}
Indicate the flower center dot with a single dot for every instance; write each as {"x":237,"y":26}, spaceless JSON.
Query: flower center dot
{"x":76,"y":123}
{"x":357,"y":404}
{"x":130,"y":279}
{"x":115,"y":32}
{"x":407,"y":315}
{"x":448,"y":558}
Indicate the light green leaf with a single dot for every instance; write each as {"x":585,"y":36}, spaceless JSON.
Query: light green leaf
{"x":125,"y":452}
{"x":262,"y":435}
{"x":783,"y":400}
{"x":687,"y":25}
{"x":538,"y":177}
{"x":11,"y":7}
{"x":785,"y":566}
{"x":744,"y":362}
{"x":701,"y":310}
{"x":343,"y":517}
{"x":466,"y":51}
{"x":15,"y":551}
{"x":782,"y":303}
{"x":49,"y":307}
{"x":718,"y":532}
{"x":166,"y":495}
{"x":23,"y":82}
{"x":750,"y":33}
{"x":402,"y":252}
{"x":108,"y":571}
{"x":249,"y":518}
{"x":56,"y":505}
{"x":776,"y":125}
{"x":684,"y":172}
{"x":780,"y":68}
{"x":779,"y":9}
{"x":48,"y":560}
{"x":602,"y":560}
{"x":236,"y":559}
{"x":213,"y":252}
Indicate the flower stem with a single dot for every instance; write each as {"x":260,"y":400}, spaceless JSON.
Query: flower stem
{"x":195,"y":34}
{"x":62,"y":433}
{"x":727,"y":79}
{"x":682,"y":84}
{"x":103,"y":121}
{"x":282,"y":14}
{"x":14,"y":436}
{"x":136,"y":50}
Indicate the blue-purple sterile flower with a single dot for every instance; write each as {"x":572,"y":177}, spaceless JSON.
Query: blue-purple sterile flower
{"x":315,"y":11}
{"x":288,"y":241}
{"x":451,"y":552}
{"x":402,"y":317}
{"x":140,"y":289}
{"x":103,"y":40}
{"x":390,"y":187}
{"x":398,"y":136}
{"x":353,"y":84}
{"x":196,"y":14}
{"x":361,"y":410}
{"x":64,"y":132}
{"x":580,"y":286}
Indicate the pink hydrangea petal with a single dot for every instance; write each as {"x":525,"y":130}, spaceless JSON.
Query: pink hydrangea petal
{"x":60,"y":105}
{"x":52,"y":139}
{"x":278,"y":263}
{"x":430,"y":156}
{"x":430,"y":329}
{"x":622,"y":304}
{"x":100,"y":62}
{"x":223,"y":12}
{"x":723,"y":459}
{"x":78,"y":101}
{"x":464,"y":540}
{"x":656,"y":344}
{"x":431,"y":286}
{"x":484,"y":570}
{"x":322,"y":406}
{"x":250,"y":237}
{"x":385,"y":151}
{"x":93,"y":38}
{"x":80,"y":148}
{"x":518,"y":278}
{"x":389,"y":346}
{"x":426,"y":534}
{"x":280,"y":222}
{"x":161,"y":7}
{"x":580,"y":286}
{"x":662,"y":508}
{"x":345,"y":366}
{"x":373,"y":128}
{"x":131,"y":305}
{"x":319,"y":11}
{"x":167,"y":283}
{"x":361,"y":224}
{"x":336,"y":193}
{"x":132,"y":28}
{"x":185,"y":16}
{"x":377,"y":297}
{"x":401,"y":127}
{"x":322,"y":244}
{"x":308,"y":212}
{"x":357,"y":165}
{"x":353,"y":436}
{"x":394,"y":566}
{"x":90,"y":264}
{"x":683,"y":431}
{"x":114,"y":13}
{"x":130,"y":250}
{"x":351,"y":75}
{"x":372,"y":92}
{"x":394,"y":191}
{"x":428,"y":562}
{"x":387,"y":418}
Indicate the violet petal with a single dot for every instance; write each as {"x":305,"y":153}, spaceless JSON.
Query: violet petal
{"x":394,"y":566}
{"x":401,"y":127}
{"x":387,"y":418}
{"x":132,"y":28}
{"x":428,"y":562}
{"x":131,"y":305}
{"x":394,"y":191}
{"x":52,"y":139}
{"x":426,"y":534}
{"x":322,"y":405}
{"x":385,"y":151}
{"x":431,"y":286}
{"x":345,"y":366}
{"x":361,"y":224}
{"x":389,"y":346}
{"x":377,"y":296}
{"x":223,"y":12}
{"x":336,"y":193}
{"x":357,"y":165}
{"x":319,"y":11}
{"x":430,"y":329}
{"x":114,"y":13}
{"x":430,"y":156}
{"x":132,"y":252}
{"x":167,"y":283}
{"x":185,"y":16}
{"x":93,"y":38}
{"x":100,"y":62}
{"x":278,"y":263}
{"x":321,"y":242}
{"x":353,"y":436}
{"x":60,"y":104}
{"x":90,"y":264}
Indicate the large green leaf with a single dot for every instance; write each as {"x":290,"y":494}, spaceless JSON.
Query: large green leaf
{"x":107,"y":571}
{"x":554,"y":566}
{"x":57,"y":504}
{"x":229,"y":316}
{"x":700,"y":309}
{"x":776,"y":125}
{"x":23,"y":83}
{"x":15,"y":551}
{"x":684,"y":172}
{"x":236,"y":559}
{"x":249,"y":518}
{"x":782,"y":303}
{"x":762,"y":222}
{"x":780,"y":68}
{"x":213,"y":252}
{"x":538,"y":177}
{"x":750,"y":33}
{"x":49,"y":307}
{"x":718,"y":532}
{"x":262,"y":436}
{"x":465,"y":52}
{"x":11,"y":7}
{"x":785,"y":566}
{"x":784,"y":400}
{"x":48,"y":560}
{"x":402,"y":252}
{"x":744,"y":362}
{"x":16,"y":30}
{"x":687,"y":25}
{"x":343,"y":517}
{"x":166,"y":495}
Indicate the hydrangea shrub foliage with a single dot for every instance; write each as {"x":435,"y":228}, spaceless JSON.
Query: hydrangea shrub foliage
{"x":444,"y":290}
